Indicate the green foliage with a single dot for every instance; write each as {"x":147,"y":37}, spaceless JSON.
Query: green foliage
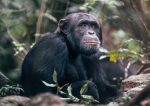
{"x":88,"y":5}
{"x":113,"y":4}
{"x":55,"y":76}
{"x":18,"y":48}
{"x":84,"y":89}
{"x":70,"y":95}
{"x":69,"y":89}
{"x":86,"y":99}
{"x":10,"y":90}
{"x":14,"y":17}
{"x":125,"y":98}
{"x":135,"y":46}
{"x":112,"y":104}
{"x":59,"y":89}
{"x":49,"y":85}
{"x":131,"y":50}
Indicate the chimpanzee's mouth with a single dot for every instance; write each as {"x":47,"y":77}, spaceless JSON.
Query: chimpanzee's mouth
{"x":91,"y":42}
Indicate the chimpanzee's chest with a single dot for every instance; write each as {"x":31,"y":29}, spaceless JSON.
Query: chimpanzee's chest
{"x":79,"y":69}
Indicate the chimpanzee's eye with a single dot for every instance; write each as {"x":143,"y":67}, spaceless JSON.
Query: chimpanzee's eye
{"x":94,"y":25}
{"x":83,"y":25}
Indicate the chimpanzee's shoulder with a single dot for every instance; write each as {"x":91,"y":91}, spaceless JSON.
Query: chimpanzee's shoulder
{"x":51,"y":39}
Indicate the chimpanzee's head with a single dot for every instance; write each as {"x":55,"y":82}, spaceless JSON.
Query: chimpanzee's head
{"x":83,"y":32}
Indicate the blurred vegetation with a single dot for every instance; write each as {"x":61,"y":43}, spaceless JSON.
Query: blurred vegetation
{"x":125,"y":26}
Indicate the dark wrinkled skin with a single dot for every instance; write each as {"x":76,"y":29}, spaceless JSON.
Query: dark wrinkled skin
{"x":72,"y":51}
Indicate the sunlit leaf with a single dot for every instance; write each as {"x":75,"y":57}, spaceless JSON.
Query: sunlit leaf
{"x":113,"y":58}
{"x":84,"y":89}
{"x":61,"y":92}
{"x":102,"y":57}
{"x":49,"y":85}
{"x":66,"y":99}
{"x":69,"y":89}
{"x":90,"y":98}
{"x":55,"y":76}
{"x":113,"y":104}
{"x":49,"y":16}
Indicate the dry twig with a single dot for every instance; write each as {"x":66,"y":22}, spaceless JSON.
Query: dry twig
{"x":39,"y":21}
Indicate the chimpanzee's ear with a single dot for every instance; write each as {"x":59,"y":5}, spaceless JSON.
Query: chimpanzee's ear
{"x":63,"y":25}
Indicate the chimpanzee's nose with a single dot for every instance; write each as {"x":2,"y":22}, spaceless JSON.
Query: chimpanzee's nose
{"x":90,"y":32}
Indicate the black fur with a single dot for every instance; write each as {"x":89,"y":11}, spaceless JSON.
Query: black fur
{"x":71,"y":52}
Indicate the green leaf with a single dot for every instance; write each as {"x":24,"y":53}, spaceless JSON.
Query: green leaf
{"x":49,"y":16}
{"x":89,"y":98}
{"x":69,"y":89}
{"x":55,"y":76}
{"x":113,"y":104}
{"x":49,"y":85}
{"x":84,"y":89}
{"x":66,"y":99}
{"x":61,"y":92}
{"x":103,"y":57}
{"x":73,"y":98}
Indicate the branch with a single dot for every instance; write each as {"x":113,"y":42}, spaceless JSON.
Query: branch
{"x":139,"y":97}
{"x":39,"y":21}
{"x":15,"y":41}
{"x":138,"y":16}
{"x":143,"y":67}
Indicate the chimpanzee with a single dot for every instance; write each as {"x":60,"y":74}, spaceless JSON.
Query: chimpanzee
{"x":73,"y":51}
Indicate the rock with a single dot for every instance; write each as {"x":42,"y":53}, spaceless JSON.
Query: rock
{"x":46,"y":99}
{"x":13,"y":101}
{"x":145,"y":102}
{"x":135,"y":90}
{"x":136,"y":82}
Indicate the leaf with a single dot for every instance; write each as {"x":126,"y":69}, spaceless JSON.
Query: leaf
{"x":61,"y":92}
{"x":113,"y":104}
{"x":49,"y":85}
{"x":73,"y":98}
{"x":89,"y":98}
{"x":69,"y":89}
{"x":102,"y":57}
{"x":84,"y":89}
{"x":103,"y":50}
{"x":66,"y":99}
{"x":113,"y":58}
{"x":55,"y":76}
{"x":49,"y":16}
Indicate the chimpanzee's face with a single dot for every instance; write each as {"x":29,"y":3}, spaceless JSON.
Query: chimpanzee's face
{"x":83,"y":33}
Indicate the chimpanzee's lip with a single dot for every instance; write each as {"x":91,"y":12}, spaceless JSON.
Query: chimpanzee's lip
{"x":91,"y":42}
